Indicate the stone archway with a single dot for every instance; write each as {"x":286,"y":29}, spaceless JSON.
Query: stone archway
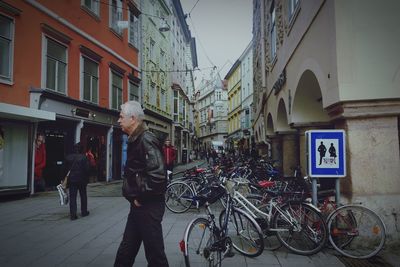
{"x":288,"y":139}
{"x":282,"y":124}
{"x":308,"y":113}
{"x":270,"y":125}
{"x":308,"y":101}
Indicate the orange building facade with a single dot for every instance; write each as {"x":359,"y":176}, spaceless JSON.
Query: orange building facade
{"x":67,"y":67}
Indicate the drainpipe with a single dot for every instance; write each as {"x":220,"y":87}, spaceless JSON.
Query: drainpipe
{"x":109,"y":154}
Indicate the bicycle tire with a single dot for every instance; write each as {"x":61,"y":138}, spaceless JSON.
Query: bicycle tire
{"x":179,"y":197}
{"x":198,"y":240}
{"x":245,"y":233}
{"x":356,"y":231}
{"x":307,"y":235}
{"x":271,"y":241}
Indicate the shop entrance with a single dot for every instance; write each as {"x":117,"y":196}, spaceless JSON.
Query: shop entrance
{"x":93,"y":139}
{"x":59,"y":141}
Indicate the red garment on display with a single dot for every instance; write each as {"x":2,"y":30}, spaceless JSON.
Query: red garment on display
{"x":169,"y":154}
{"x":40,"y":160}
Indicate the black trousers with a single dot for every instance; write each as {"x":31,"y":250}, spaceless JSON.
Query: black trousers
{"x":73,"y":192}
{"x":143,"y":225}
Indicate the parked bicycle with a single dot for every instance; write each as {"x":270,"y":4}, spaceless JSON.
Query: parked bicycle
{"x":297,"y":225}
{"x":207,"y":244}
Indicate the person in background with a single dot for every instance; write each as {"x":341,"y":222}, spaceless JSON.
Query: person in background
{"x":92,"y":166}
{"x":78,"y":165}
{"x":145,"y":183}
{"x":169,"y":156}
{"x":40,"y":163}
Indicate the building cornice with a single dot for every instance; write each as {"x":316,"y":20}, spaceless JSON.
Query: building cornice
{"x":364,"y":109}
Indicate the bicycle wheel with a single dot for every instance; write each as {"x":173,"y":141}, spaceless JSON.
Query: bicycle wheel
{"x":199,"y":241}
{"x":300,"y":228}
{"x":178,"y":197}
{"x":271,"y":241}
{"x":245,"y":233}
{"x":356,"y":231}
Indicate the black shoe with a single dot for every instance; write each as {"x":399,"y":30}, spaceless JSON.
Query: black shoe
{"x":84,"y":214}
{"x":74,"y":217}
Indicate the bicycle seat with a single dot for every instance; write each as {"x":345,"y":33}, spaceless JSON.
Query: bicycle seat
{"x":266,"y":183}
{"x":200,"y":170}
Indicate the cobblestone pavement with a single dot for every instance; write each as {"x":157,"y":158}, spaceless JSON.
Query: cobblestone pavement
{"x":36,"y":231}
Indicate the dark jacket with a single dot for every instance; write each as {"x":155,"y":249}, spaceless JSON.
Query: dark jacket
{"x":79,"y":166}
{"x":144,"y":173}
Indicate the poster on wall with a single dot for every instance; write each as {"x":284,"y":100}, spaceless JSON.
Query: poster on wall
{"x":326,"y":153}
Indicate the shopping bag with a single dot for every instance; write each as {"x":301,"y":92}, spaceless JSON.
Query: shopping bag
{"x":63,"y":194}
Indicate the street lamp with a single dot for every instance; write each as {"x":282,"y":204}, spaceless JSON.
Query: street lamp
{"x":164,"y":27}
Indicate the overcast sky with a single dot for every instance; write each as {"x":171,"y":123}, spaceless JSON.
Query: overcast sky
{"x":222,"y":28}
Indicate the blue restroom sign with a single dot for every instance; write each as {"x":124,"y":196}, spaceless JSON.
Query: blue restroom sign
{"x":326,"y":153}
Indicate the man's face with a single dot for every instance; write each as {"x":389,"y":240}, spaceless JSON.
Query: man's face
{"x":167,"y":143}
{"x":126,"y":122}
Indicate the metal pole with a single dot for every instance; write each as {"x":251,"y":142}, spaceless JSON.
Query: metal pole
{"x":337,"y":190}
{"x":314,"y":191}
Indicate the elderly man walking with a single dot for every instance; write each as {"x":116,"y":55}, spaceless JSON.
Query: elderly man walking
{"x":144,"y":187}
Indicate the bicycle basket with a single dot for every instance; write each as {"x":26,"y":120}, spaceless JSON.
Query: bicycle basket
{"x":212,"y":194}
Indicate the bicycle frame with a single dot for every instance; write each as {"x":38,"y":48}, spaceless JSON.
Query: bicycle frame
{"x":253,"y":210}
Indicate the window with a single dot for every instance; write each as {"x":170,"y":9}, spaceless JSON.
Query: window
{"x":153,"y":94}
{"x":90,"y":75}
{"x":92,"y":6}
{"x":176,"y":105}
{"x":6,"y":45}
{"x":115,"y":15}
{"x":56,"y":66}
{"x":163,"y":100}
{"x":162,"y":59}
{"x":133,"y":91}
{"x":151,"y":50}
{"x":133,"y":29}
{"x":116,"y":90}
{"x":273,"y":33}
{"x":292,"y":5}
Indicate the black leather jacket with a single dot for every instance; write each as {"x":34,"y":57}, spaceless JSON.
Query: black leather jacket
{"x":144,"y":173}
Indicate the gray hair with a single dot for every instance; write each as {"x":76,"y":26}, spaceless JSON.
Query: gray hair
{"x":133,"y":108}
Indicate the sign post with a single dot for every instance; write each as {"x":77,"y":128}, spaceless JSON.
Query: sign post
{"x":326,"y":157}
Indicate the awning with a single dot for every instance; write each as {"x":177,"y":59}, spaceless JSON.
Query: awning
{"x":14,"y":112}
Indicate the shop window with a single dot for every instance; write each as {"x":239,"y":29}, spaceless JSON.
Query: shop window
{"x":90,"y":76}
{"x":6,"y":48}
{"x":116,"y":90}
{"x":56,"y":66}
{"x":13,"y":166}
